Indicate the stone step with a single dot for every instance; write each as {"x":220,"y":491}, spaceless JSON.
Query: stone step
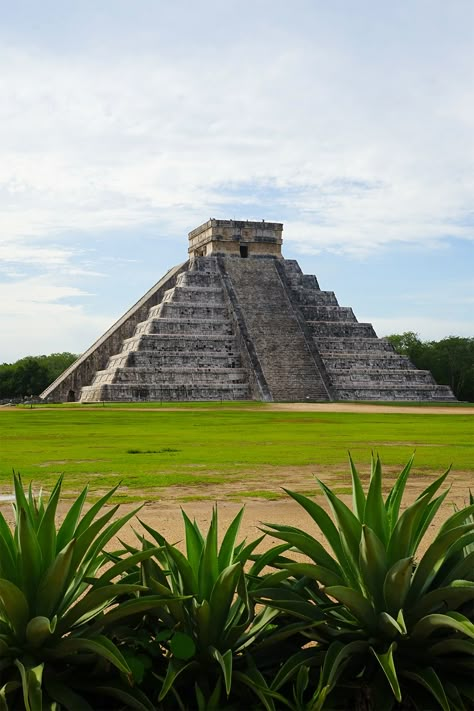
{"x":188,"y":311}
{"x":385,"y":361}
{"x":179,"y":342}
{"x":341,"y":329}
{"x":428,"y":393}
{"x":198,"y":279}
{"x":148,"y":359}
{"x":333,"y":346}
{"x":185,"y":326}
{"x":177,"y":375}
{"x":332,"y":313}
{"x":166,"y":392}
{"x":205,"y":295}
{"x":381,"y":377}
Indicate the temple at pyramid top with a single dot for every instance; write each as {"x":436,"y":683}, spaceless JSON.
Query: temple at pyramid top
{"x":237,"y":238}
{"x":238,"y":321}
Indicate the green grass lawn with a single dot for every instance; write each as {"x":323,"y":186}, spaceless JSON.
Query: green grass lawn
{"x":152,"y":447}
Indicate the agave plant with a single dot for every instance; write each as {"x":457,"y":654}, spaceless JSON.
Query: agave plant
{"x":198,"y":646}
{"x":56,"y":604}
{"x":395,"y":625}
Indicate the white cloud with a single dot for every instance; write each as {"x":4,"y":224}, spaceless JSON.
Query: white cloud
{"x":366,"y":158}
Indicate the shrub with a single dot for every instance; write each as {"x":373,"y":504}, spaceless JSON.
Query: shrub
{"x":392,"y":626}
{"x":203,"y":645}
{"x":56,"y":598}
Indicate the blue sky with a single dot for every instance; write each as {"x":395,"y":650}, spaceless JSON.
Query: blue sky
{"x":125,"y":125}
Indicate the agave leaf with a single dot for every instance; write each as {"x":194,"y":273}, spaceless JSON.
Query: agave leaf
{"x":29,"y":555}
{"x":373,"y":564}
{"x":433,"y":559}
{"x":308,"y":545}
{"x":430,"y":624}
{"x":14,"y":607}
{"x":8,"y":567}
{"x":457,"y":519}
{"x":225,"y":663}
{"x":433,"y":488}
{"x":375,"y":513}
{"x":431,"y":682}
{"x":194,"y":544}
{"x":255,"y":681}
{"x":429,"y":514}
{"x":38,"y":630}
{"x":52,"y":585}
{"x":67,"y":530}
{"x":390,"y":627}
{"x":397,"y":584}
{"x":226,"y":553}
{"x":90,"y":515}
{"x":209,"y":565}
{"x":358,"y":605}
{"x":388,"y":666}
{"x":455,"y":567}
{"x":64,"y":695}
{"x":125,"y":564}
{"x":174,"y":669}
{"x":47,"y":526}
{"x":291,"y":666}
{"x":21,"y":502}
{"x":157,"y":537}
{"x":266,"y":558}
{"x":89,"y":536}
{"x":95,"y":601}
{"x":190,"y":583}
{"x":451,"y":597}
{"x":287,"y":602}
{"x":394,"y":499}
{"x":243,"y":552}
{"x":405,"y":532}
{"x":315,"y":572}
{"x":323,"y":521}
{"x":452,"y":646}
{"x":99,"y":645}
{"x":7,"y":689}
{"x":133,"y":698}
{"x":221,"y":598}
{"x":349,"y":526}
{"x":109,"y":532}
{"x":358,"y":496}
{"x":31,"y":678}
{"x":131,"y":608}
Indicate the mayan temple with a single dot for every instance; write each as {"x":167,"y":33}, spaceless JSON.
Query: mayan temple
{"x":237,"y":321}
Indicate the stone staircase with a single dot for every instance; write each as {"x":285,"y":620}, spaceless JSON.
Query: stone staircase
{"x":269,"y":319}
{"x":359,"y":366}
{"x":185,"y":350}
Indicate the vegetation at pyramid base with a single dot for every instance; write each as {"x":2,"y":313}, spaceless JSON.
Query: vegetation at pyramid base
{"x":356,"y":618}
{"x":451,"y":360}
{"x":31,"y":375}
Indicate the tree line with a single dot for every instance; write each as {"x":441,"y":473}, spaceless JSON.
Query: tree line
{"x":31,"y":375}
{"x":451,"y":360}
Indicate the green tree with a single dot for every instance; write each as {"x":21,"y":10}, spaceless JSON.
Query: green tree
{"x":31,"y":375}
{"x":451,"y":360}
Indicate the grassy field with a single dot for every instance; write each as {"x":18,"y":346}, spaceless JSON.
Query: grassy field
{"x":244,"y":447}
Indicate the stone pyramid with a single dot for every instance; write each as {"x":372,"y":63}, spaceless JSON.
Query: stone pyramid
{"x":237,"y":321}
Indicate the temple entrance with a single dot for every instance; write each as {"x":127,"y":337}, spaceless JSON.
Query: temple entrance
{"x":244,"y":251}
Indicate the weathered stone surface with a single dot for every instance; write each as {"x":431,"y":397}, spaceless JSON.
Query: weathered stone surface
{"x":240,"y":322}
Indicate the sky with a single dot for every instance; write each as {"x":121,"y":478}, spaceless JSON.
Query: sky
{"x":125,"y":125}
